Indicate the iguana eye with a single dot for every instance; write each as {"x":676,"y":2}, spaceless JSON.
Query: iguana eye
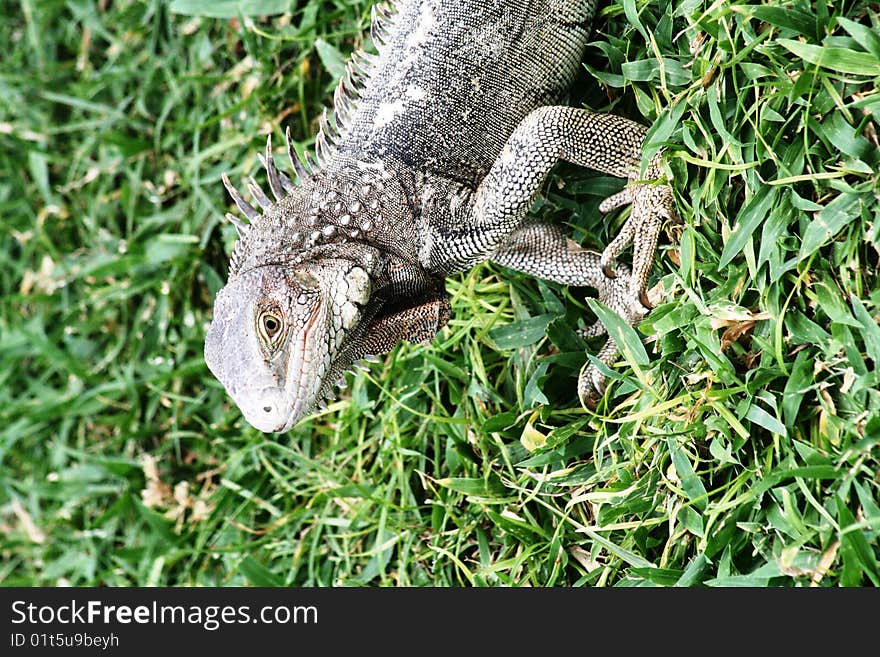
{"x":270,"y":326}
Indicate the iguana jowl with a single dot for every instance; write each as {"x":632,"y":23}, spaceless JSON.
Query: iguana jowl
{"x":439,"y":145}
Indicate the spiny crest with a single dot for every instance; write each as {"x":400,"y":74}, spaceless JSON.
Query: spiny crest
{"x":279,"y":183}
{"x":357,"y":75}
{"x":330,"y":212}
{"x":325,"y":141}
{"x":382,"y":20}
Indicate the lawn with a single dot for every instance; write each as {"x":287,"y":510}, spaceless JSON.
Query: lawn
{"x":738,"y":442}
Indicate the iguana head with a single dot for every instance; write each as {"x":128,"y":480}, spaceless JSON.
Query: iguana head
{"x":276,"y":333}
{"x":298,"y":286}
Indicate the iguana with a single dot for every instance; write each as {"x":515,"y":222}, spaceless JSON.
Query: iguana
{"x":438,"y":146}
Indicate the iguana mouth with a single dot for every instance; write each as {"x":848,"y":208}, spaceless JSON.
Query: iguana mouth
{"x":304,"y":374}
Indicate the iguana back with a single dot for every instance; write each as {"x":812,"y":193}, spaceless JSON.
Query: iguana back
{"x":454,"y":79}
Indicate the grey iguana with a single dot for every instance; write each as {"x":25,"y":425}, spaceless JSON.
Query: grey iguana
{"x":438,"y":146}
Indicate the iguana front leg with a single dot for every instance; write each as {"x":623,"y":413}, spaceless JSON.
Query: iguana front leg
{"x":415,"y":320}
{"x":544,"y":251}
{"x":652,"y":204}
{"x":604,"y":142}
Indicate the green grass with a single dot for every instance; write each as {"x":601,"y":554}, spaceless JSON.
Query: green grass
{"x":739,"y":442}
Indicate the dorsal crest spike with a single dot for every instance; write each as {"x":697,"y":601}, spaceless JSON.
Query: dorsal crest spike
{"x":312,"y":162}
{"x":378,"y":30}
{"x":321,"y":148}
{"x":286,"y":183}
{"x":249,"y":211}
{"x":362,"y":62}
{"x":342,"y":101}
{"x":324,"y":129}
{"x":325,"y":141}
{"x":257,"y":192}
{"x":350,"y":83}
{"x":343,"y":119}
{"x":333,"y":128}
{"x":354,"y":77}
{"x":342,"y":114}
{"x":301,"y":172}
{"x":347,"y":99}
{"x":337,"y":96}
{"x":382,"y":15}
{"x":275,"y":183}
{"x":240,"y":227}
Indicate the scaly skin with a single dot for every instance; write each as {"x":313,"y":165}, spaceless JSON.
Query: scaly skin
{"x":438,"y":146}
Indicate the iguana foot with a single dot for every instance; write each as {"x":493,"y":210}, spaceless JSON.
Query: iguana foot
{"x":543,"y":250}
{"x":652,"y":205}
{"x":591,"y":382}
{"x":616,"y":294}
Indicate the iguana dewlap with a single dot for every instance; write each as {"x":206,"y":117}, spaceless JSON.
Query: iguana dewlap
{"x":438,"y":146}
